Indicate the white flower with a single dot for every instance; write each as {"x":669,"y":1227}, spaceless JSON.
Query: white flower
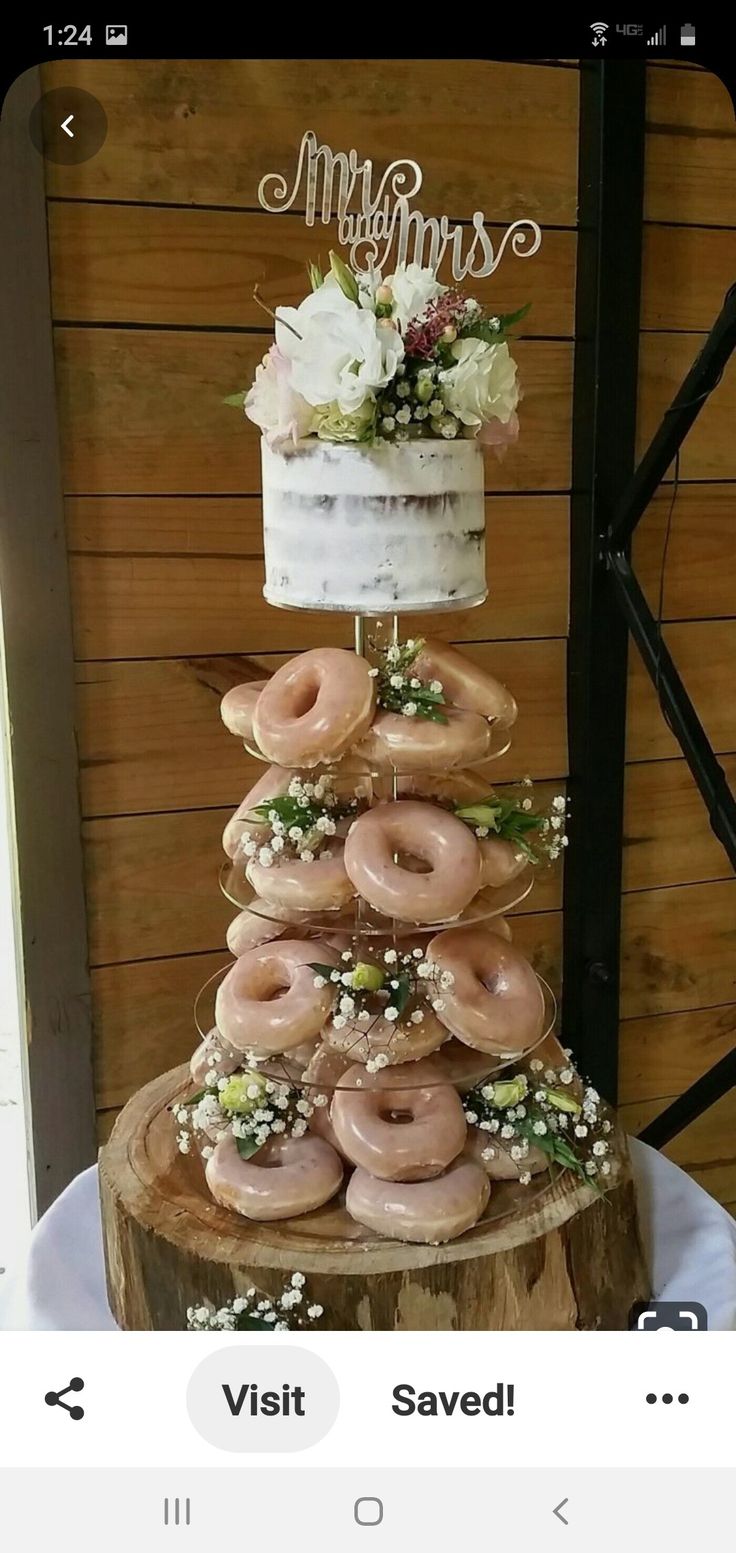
{"x":274,"y":405}
{"x":482,"y":386}
{"x":339,"y":351}
{"x":413,"y":286}
{"x":403,"y":416}
{"x":391,"y":1014}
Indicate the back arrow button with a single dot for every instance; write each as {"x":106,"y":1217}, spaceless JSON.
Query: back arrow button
{"x":65,"y":126}
{"x":557,"y":1510}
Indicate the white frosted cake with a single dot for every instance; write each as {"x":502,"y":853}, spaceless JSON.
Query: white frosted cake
{"x":372,"y":529}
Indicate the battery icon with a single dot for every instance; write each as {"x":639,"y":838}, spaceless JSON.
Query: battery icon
{"x":687,"y":36}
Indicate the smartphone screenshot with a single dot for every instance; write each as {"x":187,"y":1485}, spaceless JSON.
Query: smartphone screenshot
{"x":367,"y":793}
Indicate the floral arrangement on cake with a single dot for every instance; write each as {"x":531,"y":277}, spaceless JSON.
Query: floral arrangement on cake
{"x":546,"y":1112}
{"x":365,"y":359}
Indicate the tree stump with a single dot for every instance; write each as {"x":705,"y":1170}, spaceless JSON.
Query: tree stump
{"x":567,"y":1260}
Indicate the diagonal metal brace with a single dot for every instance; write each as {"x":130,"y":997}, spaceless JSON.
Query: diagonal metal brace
{"x":674,"y":700}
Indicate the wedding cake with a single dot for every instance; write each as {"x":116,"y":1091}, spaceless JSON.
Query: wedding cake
{"x":398,"y":526}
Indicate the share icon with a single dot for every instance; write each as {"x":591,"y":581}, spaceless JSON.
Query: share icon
{"x":54,"y":1398}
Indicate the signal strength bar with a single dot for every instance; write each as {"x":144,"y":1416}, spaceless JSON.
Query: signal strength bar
{"x":658,"y":39}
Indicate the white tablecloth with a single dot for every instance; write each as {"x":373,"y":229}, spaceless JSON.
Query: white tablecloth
{"x":689,"y":1239}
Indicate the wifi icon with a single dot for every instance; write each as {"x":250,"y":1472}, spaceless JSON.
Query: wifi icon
{"x":599,"y":30}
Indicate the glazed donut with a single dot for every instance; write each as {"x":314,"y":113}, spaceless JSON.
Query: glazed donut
{"x":321,"y":885}
{"x":399,"y":1042}
{"x":273,"y":784}
{"x":315,"y":707}
{"x":495,"y":1003}
{"x":461,"y":1066}
{"x":286,"y":1177}
{"x":249,"y":931}
{"x":405,"y":744}
{"x":500,"y":1166}
{"x":464,"y":684}
{"x":456,"y":787}
{"x":425,"y":1212}
{"x":268,"y":1001}
{"x":500,"y":861}
{"x":213,"y":1055}
{"x":237,"y":708}
{"x":414,"y":831}
{"x":400,"y":1126}
{"x":324,"y":1071}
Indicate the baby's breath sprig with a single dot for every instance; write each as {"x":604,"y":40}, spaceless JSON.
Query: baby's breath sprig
{"x":300,"y":822}
{"x":398,"y":689}
{"x":257,"y":1312}
{"x":547,"y":1109}
{"x":247,"y":1104}
{"x":514,"y":818}
{"x":398,"y":987}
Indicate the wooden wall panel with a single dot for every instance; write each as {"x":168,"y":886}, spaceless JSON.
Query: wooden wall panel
{"x":152,"y":264}
{"x":679,"y":912}
{"x":488,"y":135}
{"x":705,"y":1149}
{"x":691,"y":149}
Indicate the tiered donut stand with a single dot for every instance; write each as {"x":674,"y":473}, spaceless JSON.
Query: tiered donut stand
{"x":375,"y":984}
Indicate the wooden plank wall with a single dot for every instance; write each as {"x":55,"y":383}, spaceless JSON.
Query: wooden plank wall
{"x":679,"y":909}
{"x":155,"y":246}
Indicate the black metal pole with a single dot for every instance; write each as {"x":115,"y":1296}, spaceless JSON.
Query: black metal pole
{"x":611,"y":181}
{"x":703,"y":376}
{"x":689,"y":1106}
{"x":677,"y":707}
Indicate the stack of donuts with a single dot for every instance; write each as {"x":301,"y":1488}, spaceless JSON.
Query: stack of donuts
{"x":364,"y":966}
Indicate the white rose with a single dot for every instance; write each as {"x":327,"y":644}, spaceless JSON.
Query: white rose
{"x":338,"y":351}
{"x":482,"y":386}
{"x":413,"y":287}
{"x":272,"y":403}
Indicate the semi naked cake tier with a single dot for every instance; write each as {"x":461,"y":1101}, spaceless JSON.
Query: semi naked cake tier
{"x":393,"y":527}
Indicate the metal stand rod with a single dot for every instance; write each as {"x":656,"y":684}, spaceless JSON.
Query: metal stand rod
{"x":688,"y":1107}
{"x":674,"y":700}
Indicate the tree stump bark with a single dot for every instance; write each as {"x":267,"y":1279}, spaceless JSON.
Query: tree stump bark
{"x":567,"y":1260}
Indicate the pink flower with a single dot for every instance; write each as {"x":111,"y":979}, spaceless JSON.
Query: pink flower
{"x":499,"y":435}
{"x":274,"y":405}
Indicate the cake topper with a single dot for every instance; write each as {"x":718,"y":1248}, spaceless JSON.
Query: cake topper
{"x":385,"y":224}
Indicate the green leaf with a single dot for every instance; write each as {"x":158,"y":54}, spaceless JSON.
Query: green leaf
{"x":344,"y":277}
{"x":400,"y":995}
{"x":247,"y":1147}
{"x":195,"y":1099}
{"x":246,"y":1323}
{"x":237,"y":400}
{"x":509,"y":319}
{"x":316,"y":278}
{"x":323,"y":970}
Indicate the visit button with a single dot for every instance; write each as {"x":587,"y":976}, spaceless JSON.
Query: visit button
{"x":263,"y":1398}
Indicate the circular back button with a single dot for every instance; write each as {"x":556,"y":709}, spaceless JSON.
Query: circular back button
{"x":68,"y":125}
